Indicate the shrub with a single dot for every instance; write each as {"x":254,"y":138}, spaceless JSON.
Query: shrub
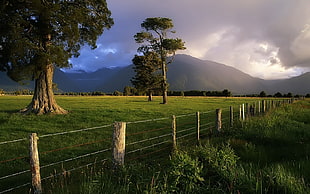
{"x":185,"y":175}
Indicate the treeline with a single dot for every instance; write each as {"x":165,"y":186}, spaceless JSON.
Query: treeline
{"x":131,"y":91}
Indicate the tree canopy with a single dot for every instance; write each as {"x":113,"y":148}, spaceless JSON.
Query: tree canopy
{"x":147,"y":78}
{"x":155,"y":39}
{"x":38,"y":35}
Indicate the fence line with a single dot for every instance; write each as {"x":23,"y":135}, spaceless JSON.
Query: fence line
{"x":245,"y":111}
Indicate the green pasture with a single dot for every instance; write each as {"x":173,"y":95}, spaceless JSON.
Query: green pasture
{"x":259,"y":143}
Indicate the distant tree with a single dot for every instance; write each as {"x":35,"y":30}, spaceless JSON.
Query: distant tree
{"x":147,"y":78}
{"x":117,"y":93}
{"x":289,"y":95}
{"x":155,"y":37}
{"x":278,"y":95}
{"x":129,"y":91}
{"x":307,"y":96}
{"x":1,"y":91}
{"x":38,"y":35}
{"x":226,"y":93}
{"x":262,"y":94}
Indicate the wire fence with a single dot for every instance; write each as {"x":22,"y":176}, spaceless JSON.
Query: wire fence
{"x":69,"y":151}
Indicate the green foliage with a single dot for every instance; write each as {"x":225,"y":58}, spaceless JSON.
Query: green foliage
{"x":130,"y":91}
{"x":37,"y":33}
{"x":185,"y":175}
{"x":117,"y":93}
{"x":147,"y":77}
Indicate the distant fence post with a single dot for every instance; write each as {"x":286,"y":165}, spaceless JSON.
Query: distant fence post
{"x":263,"y":106}
{"x":174,"y":132}
{"x":240,"y":112}
{"x":118,"y":147}
{"x":247,"y":108}
{"x":218,"y":122}
{"x":231,"y":116}
{"x":34,"y":163}
{"x":243,"y":113}
{"x":198,"y":126}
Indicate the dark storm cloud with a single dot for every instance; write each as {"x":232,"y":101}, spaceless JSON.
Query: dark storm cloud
{"x":246,"y":34}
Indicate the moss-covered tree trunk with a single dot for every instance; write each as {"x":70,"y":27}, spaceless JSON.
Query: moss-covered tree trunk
{"x":43,"y":100}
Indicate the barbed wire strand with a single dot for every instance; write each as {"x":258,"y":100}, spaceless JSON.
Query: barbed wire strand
{"x":12,"y":159}
{"x":74,"y":131}
{"x":152,"y":130}
{"x":13,"y":141}
{"x":143,"y":148}
{"x":73,"y":146}
{"x":186,"y":130}
{"x":186,"y":115}
{"x":147,"y":154}
{"x":149,"y":120}
{"x":15,"y":174}
{"x":75,"y":158}
{"x":186,"y":135}
{"x":14,"y":188}
{"x":157,"y":137}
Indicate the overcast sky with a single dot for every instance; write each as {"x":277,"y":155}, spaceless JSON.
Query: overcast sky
{"x":269,"y":39}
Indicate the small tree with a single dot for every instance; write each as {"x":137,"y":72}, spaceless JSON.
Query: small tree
{"x":226,"y":93}
{"x":262,"y":94}
{"x":278,"y":95}
{"x":155,"y":37}
{"x":147,"y":78}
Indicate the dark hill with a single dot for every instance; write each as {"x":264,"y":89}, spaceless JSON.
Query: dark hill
{"x":185,"y":73}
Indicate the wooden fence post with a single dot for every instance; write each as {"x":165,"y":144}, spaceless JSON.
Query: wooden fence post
{"x":34,"y":163}
{"x":231,"y":115}
{"x":240,"y":112}
{"x":118,"y":147}
{"x":247,"y":108}
{"x":258,"y":108}
{"x":243,"y":113}
{"x":263,"y":106}
{"x":198,"y":126}
{"x":218,"y":122}
{"x":174,"y":132}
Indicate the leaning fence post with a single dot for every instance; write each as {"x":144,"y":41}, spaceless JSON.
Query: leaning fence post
{"x":34,"y":163}
{"x":118,"y":147}
{"x":231,"y":116}
{"x":174,"y":132}
{"x":218,"y":122}
{"x":198,"y":125}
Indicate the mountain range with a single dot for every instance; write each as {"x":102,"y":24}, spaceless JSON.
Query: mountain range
{"x":185,"y":73}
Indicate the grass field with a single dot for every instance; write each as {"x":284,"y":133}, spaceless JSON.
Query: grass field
{"x":285,"y":132}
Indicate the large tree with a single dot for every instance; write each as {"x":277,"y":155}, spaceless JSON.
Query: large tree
{"x":154,"y":38}
{"x":147,"y":78}
{"x":38,"y":35}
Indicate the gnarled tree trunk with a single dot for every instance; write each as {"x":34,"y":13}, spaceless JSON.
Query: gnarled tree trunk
{"x":43,"y":100}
